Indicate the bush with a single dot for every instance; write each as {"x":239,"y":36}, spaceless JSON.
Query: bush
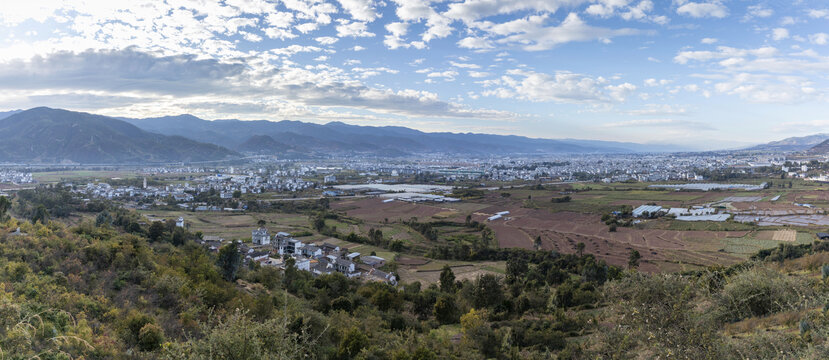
{"x":759,"y":292}
{"x":150,"y":337}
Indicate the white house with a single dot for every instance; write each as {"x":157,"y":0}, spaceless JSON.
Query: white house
{"x":260,"y":236}
{"x":180,"y":222}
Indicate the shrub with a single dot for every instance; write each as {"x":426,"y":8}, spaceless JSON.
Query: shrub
{"x":150,"y":337}
{"x":759,"y":292}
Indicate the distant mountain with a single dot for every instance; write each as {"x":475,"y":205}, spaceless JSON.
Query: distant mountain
{"x":44,"y":135}
{"x":343,"y":139}
{"x":5,"y":114}
{"x":793,"y":143}
{"x":820,"y":149}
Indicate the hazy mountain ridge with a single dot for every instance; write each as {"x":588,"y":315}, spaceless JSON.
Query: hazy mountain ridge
{"x":820,"y":149}
{"x":45,"y":135}
{"x":341,"y":138}
{"x":798,"y":143}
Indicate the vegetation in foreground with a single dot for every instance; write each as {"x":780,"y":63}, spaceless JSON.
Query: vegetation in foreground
{"x":116,"y":288}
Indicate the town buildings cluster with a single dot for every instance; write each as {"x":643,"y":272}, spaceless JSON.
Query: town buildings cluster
{"x":16,"y":177}
{"x":318,"y":259}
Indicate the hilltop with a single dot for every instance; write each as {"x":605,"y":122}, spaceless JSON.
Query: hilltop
{"x":45,"y":135}
{"x":793,"y":143}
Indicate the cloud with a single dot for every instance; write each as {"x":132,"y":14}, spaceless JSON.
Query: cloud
{"x":561,"y":87}
{"x":819,"y":38}
{"x":476,"y":43}
{"x":621,"y":8}
{"x":654,"y":82}
{"x":471,"y":10}
{"x":185,"y":79}
{"x":353,"y":29}
{"x":708,"y":41}
{"x":703,"y":9}
{"x":683,"y":124}
{"x":448,"y":75}
{"x":327,"y":40}
{"x":464,"y":65}
{"x":757,"y":11}
{"x":658,"y":110}
{"x":531,"y":34}
{"x":778,"y":34}
{"x":119,"y":70}
{"x":818,"y":13}
{"x":361,"y":10}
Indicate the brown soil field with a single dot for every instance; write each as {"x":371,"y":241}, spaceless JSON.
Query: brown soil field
{"x":636,"y":203}
{"x":562,"y":231}
{"x":374,"y":209}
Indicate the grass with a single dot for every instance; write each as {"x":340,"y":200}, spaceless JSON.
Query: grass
{"x":72,"y":175}
{"x":748,"y":245}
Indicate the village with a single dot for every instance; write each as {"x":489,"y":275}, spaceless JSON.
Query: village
{"x":318,"y":259}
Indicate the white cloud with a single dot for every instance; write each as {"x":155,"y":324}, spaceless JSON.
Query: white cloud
{"x":448,"y":75}
{"x":361,"y":10}
{"x":758,"y":11}
{"x":819,"y":13}
{"x":465,"y":65}
{"x":353,"y":29}
{"x":703,"y":9}
{"x":471,"y":10}
{"x":531,"y":34}
{"x":819,"y":38}
{"x":708,"y":40}
{"x":397,"y":30}
{"x":476,"y":43}
{"x":778,"y":34}
{"x":561,"y":87}
{"x":479,"y":74}
{"x":682,"y":124}
{"x":654,"y":82}
{"x":327,"y":40}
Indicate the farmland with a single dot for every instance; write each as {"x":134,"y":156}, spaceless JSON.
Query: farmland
{"x":665,"y":245}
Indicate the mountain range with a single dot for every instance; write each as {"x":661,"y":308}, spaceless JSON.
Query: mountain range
{"x":44,"y":135}
{"x":801,"y":143}
{"x":296,"y":137}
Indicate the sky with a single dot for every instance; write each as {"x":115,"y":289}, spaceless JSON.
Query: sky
{"x":708,"y":74}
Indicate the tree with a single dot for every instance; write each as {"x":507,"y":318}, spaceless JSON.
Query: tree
{"x":478,"y":333}
{"x":179,"y":236}
{"x":580,"y":249}
{"x":537,"y":243}
{"x":319,"y":222}
{"x":445,"y":310}
{"x":633,"y":259}
{"x":487,"y":291}
{"x":229,"y":260}
{"x":40,"y":214}
{"x":156,"y":231}
{"x":5,"y":205}
{"x":447,"y":280}
{"x":237,"y":194}
{"x":516,"y":268}
{"x":261,"y":223}
{"x":103,"y":218}
{"x":351,"y":343}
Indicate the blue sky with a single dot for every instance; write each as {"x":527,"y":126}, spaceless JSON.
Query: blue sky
{"x":701,"y":73}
